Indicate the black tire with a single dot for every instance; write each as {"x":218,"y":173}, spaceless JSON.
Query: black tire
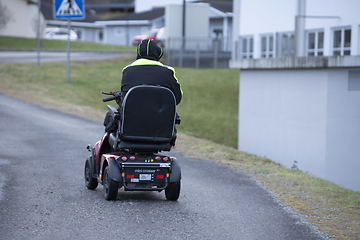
{"x":90,"y":182}
{"x":110,"y":187}
{"x":172,"y":192}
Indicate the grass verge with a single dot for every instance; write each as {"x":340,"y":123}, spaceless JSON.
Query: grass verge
{"x":207,"y":94}
{"x":333,"y":209}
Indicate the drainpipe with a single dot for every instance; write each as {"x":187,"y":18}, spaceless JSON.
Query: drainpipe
{"x":225,"y":33}
{"x":183,"y":24}
{"x":236,"y":29}
{"x":300,"y":28}
{"x":38,"y":33}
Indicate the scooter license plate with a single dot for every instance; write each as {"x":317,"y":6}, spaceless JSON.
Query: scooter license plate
{"x":145,"y":177}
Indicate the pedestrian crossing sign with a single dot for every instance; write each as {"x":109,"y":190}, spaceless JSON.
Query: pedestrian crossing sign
{"x":69,"y":9}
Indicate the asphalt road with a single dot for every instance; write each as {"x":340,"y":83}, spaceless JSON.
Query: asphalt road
{"x":43,"y":196}
{"x":47,"y":56}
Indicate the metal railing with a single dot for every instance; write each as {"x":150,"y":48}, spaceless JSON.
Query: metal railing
{"x":198,"y":52}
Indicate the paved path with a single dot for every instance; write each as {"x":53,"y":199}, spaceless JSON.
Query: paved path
{"x":43,"y":196}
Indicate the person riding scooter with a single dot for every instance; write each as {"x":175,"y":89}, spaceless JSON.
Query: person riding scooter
{"x":147,"y":69}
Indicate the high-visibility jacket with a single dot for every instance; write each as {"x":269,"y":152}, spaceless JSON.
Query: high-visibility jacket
{"x":151,"y":72}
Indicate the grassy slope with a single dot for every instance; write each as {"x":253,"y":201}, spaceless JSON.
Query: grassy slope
{"x":210,"y":104}
{"x":203,"y":95}
{"x":205,"y":109}
{"x":210,"y":96}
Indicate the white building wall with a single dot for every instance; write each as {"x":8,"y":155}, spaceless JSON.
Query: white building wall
{"x":259,"y":16}
{"x":347,"y":14}
{"x":262,"y":17}
{"x":196,"y":25}
{"x":89,"y":35}
{"x":300,"y":110}
{"x":304,"y":116}
{"x":23,"y":20}
{"x":343,"y":130}
{"x":197,"y":20}
{"x":347,"y":10}
{"x":279,"y":15}
{"x":115,"y":35}
{"x":283,"y":117}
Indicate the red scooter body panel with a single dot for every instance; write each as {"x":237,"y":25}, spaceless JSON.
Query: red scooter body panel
{"x":98,"y":147}
{"x":107,"y":158}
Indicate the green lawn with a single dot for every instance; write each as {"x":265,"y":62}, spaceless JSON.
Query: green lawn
{"x":208,"y":108}
{"x":210,"y":105}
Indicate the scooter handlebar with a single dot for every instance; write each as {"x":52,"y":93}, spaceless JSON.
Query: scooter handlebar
{"x":114,"y":96}
{"x":109,"y":99}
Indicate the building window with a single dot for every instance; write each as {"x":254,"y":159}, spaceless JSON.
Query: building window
{"x":247,"y":47}
{"x":315,"y":43}
{"x":285,"y":45}
{"x":342,"y":42}
{"x":267,"y":46}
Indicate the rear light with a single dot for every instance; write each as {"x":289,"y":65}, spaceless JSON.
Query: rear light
{"x":159,"y":176}
{"x":173,"y":158}
{"x":165,"y":159}
{"x":130,"y":176}
{"x":132,"y":158}
{"x":158,"y":158}
{"x":124,"y":159}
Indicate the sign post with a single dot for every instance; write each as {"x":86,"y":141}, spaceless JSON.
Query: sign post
{"x":67,"y":10}
{"x":38,"y":33}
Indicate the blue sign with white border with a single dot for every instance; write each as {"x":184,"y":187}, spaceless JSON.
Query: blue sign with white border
{"x":69,"y":9}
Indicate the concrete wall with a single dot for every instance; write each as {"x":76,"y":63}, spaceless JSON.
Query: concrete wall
{"x":343,"y":129}
{"x":303,"y":115}
{"x":283,"y":116}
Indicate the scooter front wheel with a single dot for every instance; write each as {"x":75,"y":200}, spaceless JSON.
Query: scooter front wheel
{"x":90,"y":182}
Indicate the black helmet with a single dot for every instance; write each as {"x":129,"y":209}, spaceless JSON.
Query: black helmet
{"x":149,"y":49}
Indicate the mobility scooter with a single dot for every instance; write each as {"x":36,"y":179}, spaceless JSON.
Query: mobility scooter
{"x":128,"y":153}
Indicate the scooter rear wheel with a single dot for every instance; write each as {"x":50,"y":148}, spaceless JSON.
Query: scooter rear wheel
{"x":110,"y":187}
{"x":172,"y":192}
